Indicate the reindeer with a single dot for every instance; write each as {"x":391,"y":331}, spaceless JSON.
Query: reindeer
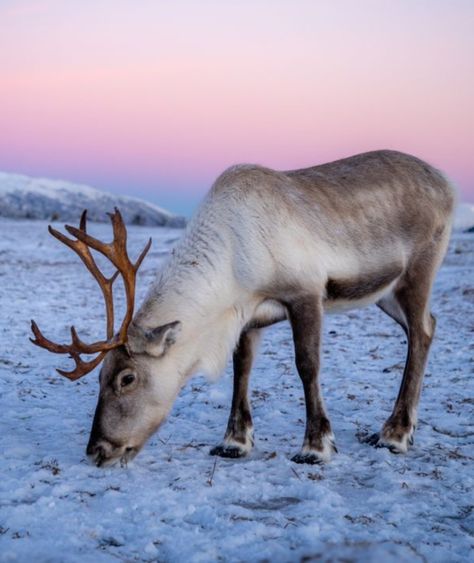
{"x":266,"y":246}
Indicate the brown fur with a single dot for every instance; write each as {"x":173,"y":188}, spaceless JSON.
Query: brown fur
{"x":361,"y":287}
{"x":367,"y":203}
{"x":268,"y":245}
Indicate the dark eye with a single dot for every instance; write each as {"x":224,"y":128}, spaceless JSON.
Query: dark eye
{"x":127,"y":379}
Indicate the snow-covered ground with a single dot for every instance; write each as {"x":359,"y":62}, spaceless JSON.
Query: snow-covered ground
{"x":176,"y":503}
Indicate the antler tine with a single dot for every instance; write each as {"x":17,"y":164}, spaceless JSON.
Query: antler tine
{"x":83,"y":221}
{"x":119,"y":229}
{"x":142,"y":255}
{"x":83,"y":348}
{"x":106,"y":248}
{"x":82,"y":249}
{"x":82,"y":368}
{"x":41,"y":341}
{"x":126,"y":267}
{"x":105,"y":284}
{"x":116,"y":252}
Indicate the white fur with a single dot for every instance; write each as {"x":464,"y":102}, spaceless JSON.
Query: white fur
{"x":245,"y":240}
{"x":401,"y":447}
{"x":327,"y":451}
{"x":213,"y":281}
{"x":245,"y":448}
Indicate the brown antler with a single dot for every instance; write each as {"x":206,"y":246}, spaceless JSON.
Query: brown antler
{"x":116,"y":252}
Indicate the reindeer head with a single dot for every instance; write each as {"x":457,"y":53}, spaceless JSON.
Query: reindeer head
{"x":133,"y":398}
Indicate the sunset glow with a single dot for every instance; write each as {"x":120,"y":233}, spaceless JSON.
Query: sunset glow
{"x":155,"y":98}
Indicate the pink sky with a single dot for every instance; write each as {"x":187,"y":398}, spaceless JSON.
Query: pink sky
{"x":156,"y":98}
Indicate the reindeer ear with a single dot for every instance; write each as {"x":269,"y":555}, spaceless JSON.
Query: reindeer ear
{"x":154,"y":342}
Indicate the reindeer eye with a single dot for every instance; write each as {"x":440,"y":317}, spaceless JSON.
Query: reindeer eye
{"x":127,"y":379}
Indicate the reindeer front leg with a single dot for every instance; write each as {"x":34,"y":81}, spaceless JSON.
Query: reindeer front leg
{"x":305,"y":314}
{"x":238,"y":439}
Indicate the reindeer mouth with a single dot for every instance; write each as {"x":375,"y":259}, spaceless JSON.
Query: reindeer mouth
{"x":103,"y":458}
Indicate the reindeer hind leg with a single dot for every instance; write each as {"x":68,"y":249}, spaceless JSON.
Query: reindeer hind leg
{"x":409,"y":306}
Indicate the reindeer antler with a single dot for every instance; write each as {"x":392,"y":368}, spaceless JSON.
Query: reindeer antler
{"x":116,"y":252}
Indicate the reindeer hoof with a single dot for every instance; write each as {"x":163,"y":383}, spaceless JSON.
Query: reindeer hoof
{"x":377,"y":442}
{"x":315,"y":456}
{"x":228,"y":451}
{"x":309,"y":458}
{"x":373,"y":440}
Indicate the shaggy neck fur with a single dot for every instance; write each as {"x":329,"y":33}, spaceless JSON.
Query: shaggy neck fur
{"x":197,"y":287}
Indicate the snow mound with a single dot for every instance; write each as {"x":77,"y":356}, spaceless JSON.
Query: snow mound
{"x":464,"y":217}
{"x":23,"y":197}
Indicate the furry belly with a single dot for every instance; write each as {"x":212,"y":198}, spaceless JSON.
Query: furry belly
{"x":339,"y":294}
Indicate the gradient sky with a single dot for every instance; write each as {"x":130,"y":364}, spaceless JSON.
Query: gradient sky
{"x":156,"y":98}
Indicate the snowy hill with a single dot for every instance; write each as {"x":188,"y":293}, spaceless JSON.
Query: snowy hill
{"x":464,"y":217}
{"x":23,"y":197}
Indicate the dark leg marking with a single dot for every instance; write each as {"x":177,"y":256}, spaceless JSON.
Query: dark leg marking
{"x":409,"y":307}
{"x":238,"y":439}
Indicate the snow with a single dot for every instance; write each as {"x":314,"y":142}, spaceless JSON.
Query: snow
{"x":176,"y":503}
{"x":464,"y":217}
{"x":43,"y":186}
